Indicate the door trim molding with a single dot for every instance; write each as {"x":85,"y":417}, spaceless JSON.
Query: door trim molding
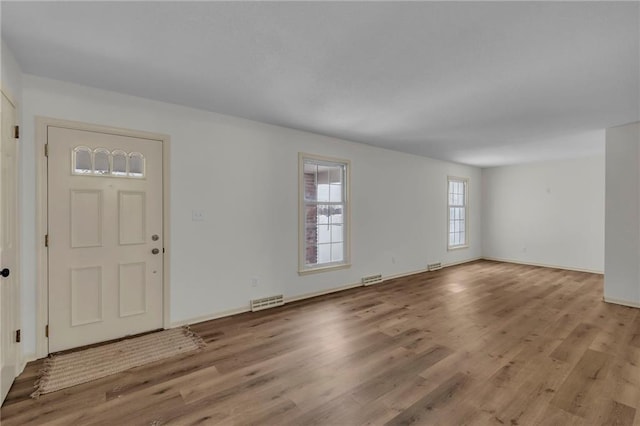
{"x":42,"y":273}
{"x":17,"y":273}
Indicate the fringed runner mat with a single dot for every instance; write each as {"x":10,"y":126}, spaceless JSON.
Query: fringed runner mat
{"x":63,"y":371}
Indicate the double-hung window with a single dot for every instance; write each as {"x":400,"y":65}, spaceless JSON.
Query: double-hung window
{"x":458,"y":212}
{"x":324,"y":213}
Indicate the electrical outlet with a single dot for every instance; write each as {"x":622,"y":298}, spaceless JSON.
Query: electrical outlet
{"x":254,"y":282}
{"x":197,"y":215}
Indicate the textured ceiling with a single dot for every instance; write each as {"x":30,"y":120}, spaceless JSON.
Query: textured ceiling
{"x":478,"y":83}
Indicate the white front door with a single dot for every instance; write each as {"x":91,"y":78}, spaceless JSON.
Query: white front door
{"x":104,"y":236}
{"x":8,"y":248}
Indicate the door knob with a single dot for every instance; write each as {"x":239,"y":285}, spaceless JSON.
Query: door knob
{"x":5,"y":272}
{"x":155,"y":251}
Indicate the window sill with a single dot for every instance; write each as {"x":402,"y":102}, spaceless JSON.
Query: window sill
{"x":324,"y":269}
{"x":454,"y":248}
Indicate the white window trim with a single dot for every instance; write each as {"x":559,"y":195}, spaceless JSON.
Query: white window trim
{"x":346,"y":263}
{"x":466,"y":212}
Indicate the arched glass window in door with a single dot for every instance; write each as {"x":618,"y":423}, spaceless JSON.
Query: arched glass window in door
{"x":136,"y":164}
{"x":101,"y":161}
{"x":119,"y":159}
{"x":82,"y":160}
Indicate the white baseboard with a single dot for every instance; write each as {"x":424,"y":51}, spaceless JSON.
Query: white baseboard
{"x":26,"y":358}
{"x":542,"y":265}
{"x":390,"y":277}
{"x":404,"y":274}
{"x":354,"y":285}
{"x":446,"y":265}
{"x":305,"y":296}
{"x":420,"y":271}
{"x":321,"y":292}
{"x":210,"y":317}
{"x":242,"y":310}
{"x":622,"y":302}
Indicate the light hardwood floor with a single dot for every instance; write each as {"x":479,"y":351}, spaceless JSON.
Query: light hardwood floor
{"x":483,"y":343}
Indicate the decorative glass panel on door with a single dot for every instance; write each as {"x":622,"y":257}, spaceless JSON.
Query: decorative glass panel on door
{"x":101,"y":162}
{"x":119,"y":160}
{"x":81,"y":160}
{"x":136,"y":164}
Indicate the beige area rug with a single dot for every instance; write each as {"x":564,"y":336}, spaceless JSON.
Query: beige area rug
{"x":63,"y":371}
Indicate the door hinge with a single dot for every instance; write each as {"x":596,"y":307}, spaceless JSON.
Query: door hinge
{"x":46,"y":240}
{"x":46,"y":330}
{"x":17,"y":336}
{"x":16,"y":132}
{"x":46,"y":149}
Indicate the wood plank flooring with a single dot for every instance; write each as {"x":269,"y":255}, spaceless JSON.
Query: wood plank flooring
{"x":483,"y":343}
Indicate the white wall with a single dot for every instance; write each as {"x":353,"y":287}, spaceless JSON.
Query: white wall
{"x":10,"y":74}
{"x":243,"y":175}
{"x":622,"y":260}
{"x":548,"y":213}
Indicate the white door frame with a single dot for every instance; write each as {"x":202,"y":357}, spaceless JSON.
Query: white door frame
{"x":42,"y":275}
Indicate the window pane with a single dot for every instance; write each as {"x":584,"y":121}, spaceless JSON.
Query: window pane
{"x":311,"y":255}
{"x":324,"y":197}
{"x":311,"y":215}
{"x":324,"y":253}
{"x":324,"y":212}
{"x":323,"y":183}
{"x":323,"y":192}
{"x":101,"y":161}
{"x":311,"y":243}
{"x":337,"y":252}
{"x":82,"y":159}
{"x":457,"y":221}
{"x":310,"y":189}
{"x":324,"y":233}
{"x":335,"y":175}
{"x":119,"y":163}
{"x":337,"y":233}
{"x":335,"y":192}
{"x":136,"y":164}
{"x":310,"y":168}
{"x":336,"y":214}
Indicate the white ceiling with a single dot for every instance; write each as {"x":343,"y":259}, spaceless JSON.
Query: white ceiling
{"x":478,"y":83}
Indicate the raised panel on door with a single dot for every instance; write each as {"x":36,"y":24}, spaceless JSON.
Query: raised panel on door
{"x":104,"y":280}
{"x":86,"y":295}
{"x":86,"y":218}
{"x":131,"y":217}
{"x":133,"y":288}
